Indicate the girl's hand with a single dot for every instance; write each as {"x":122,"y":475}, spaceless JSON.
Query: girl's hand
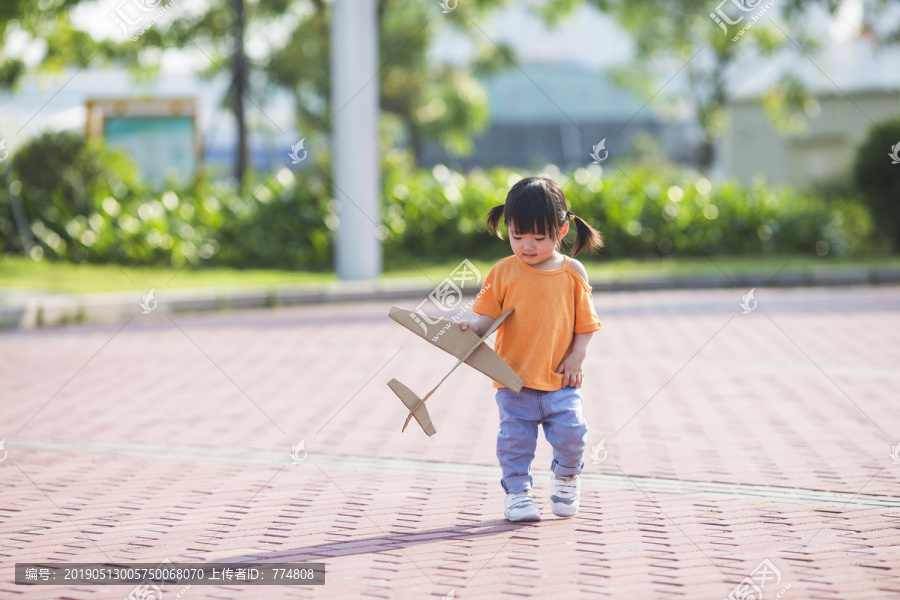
{"x":571,"y":370}
{"x":469,"y":325}
{"x":479,"y":324}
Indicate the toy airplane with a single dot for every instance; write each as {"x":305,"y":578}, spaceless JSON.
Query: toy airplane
{"x":466,"y":345}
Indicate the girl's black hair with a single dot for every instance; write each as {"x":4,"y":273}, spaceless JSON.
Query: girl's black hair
{"x":538,"y":206}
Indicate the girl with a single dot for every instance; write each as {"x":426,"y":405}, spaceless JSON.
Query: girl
{"x":545,"y":341}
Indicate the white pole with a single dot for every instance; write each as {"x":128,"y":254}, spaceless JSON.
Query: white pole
{"x":354,"y":64}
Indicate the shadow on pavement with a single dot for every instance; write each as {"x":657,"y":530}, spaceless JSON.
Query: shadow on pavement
{"x":381,"y":543}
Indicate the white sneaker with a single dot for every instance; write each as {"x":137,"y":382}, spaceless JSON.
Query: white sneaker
{"x":521,"y":507}
{"x":564,"y":496}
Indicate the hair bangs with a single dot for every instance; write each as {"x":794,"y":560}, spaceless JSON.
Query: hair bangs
{"x":537,"y":206}
{"x":528,"y":211}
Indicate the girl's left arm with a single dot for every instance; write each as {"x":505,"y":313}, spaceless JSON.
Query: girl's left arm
{"x":572,"y":366}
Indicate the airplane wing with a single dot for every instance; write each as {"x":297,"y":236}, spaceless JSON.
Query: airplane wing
{"x":447,"y":336}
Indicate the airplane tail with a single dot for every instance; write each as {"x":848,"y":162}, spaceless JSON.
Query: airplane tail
{"x":411,"y":401}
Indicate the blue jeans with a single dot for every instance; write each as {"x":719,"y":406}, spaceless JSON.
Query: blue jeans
{"x":564,"y":427}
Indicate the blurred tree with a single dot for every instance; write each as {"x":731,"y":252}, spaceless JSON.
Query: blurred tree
{"x":683,"y":35}
{"x":48,"y":22}
{"x":239,"y":85}
{"x":420,"y":99}
{"x":683,"y":32}
{"x":428,"y":101}
{"x":877,"y":174}
{"x":61,"y":180}
{"x":220,"y":32}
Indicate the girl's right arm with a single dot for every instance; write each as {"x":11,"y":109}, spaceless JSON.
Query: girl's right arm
{"x":479,"y":324}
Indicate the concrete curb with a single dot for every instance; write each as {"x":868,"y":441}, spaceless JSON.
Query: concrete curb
{"x":45,"y":310}
{"x":63,"y":309}
{"x":872,"y":276}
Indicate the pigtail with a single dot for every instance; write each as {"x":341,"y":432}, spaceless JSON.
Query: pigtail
{"x":493,"y":220}
{"x":586,"y":237}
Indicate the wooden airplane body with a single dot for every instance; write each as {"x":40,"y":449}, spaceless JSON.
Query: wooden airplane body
{"x":466,"y":345}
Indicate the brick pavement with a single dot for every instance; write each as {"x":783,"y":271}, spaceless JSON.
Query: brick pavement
{"x":169,"y":438}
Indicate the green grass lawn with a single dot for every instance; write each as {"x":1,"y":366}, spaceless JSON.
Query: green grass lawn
{"x":21,"y":273}
{"x":610,"y":270}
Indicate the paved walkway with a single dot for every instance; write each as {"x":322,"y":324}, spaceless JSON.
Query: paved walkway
{"x":720,"y":440}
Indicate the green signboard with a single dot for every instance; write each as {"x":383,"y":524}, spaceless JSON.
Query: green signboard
{"x":162,"y":147}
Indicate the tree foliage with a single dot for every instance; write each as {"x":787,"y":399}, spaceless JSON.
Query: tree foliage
{"x":877,"y":175}
{"x":420,"y":100}
{"x":699,"y":56}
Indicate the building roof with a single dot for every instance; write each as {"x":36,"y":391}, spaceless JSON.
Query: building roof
{"x":552,"y":93}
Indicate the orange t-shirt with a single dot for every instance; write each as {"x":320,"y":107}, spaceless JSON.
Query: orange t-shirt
{"x":551,"y":306}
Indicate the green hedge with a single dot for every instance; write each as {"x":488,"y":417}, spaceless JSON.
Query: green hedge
{"x":84,"y":203}
{"x":643,"y":211}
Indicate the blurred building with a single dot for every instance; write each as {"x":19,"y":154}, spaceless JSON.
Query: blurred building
{"x":555,"y":113}
{"x":854,"y":84}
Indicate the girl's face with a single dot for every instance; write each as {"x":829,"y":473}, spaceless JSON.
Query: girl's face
{"x":534,"y":248}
